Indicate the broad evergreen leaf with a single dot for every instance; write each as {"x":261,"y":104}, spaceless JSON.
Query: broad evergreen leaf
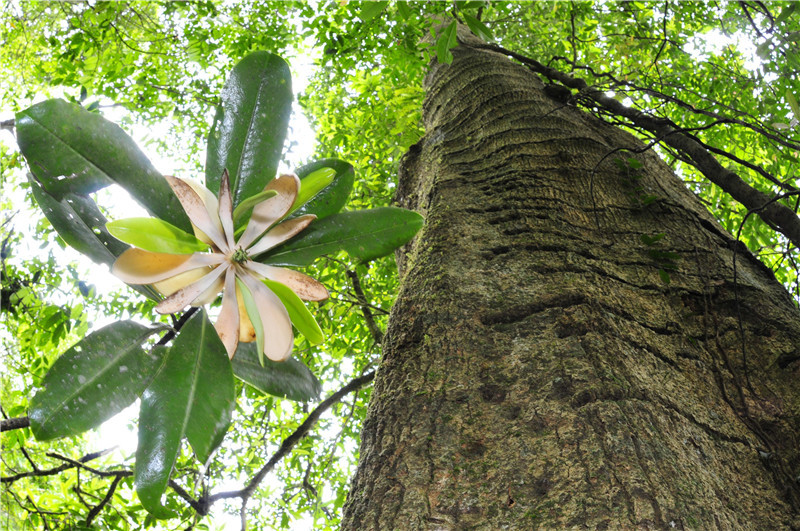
{"x":363,"y":234}
{"x":80,"y":223}
{"x":94,"y":380}
{"x":250,"y":126}
{"x":287,"y":379}
{"x":192,"y":396}
{"x":72,"y":150}
{"x":332,"y":198}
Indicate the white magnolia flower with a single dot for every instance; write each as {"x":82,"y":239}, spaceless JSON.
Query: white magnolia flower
{"x":249,"y":308}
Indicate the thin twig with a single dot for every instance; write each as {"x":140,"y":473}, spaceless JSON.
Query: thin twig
{"x":99,"y":507}
{"x":377,"y":335}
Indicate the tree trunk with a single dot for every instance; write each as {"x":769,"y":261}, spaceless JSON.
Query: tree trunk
{"x":538,"y":371}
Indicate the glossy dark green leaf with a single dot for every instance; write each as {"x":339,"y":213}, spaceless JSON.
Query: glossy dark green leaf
{"x":333,"y":197}
{"x":288,"y":379}
{"x":71,"y":150}
{"x":155,"y":235}
{"x":250,"y":126}
{"x":192,"y":395}
{"x":363,"y":234}
{"x":94,"y":380}
{"x":80,"y":223}
{"x":298,"y":313}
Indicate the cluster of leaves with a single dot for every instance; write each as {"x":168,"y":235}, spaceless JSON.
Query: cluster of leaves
{"x":186,"y":390}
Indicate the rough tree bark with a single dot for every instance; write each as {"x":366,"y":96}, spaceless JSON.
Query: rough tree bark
{"x":537,"y":371}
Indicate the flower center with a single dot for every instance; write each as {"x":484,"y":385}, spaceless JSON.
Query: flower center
{"x":239,"y":256}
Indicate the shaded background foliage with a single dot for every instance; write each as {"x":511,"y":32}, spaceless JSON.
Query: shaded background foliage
{"x":724,"y":71}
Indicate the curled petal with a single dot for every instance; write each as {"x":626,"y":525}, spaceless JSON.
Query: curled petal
{"x":227,"y":324}
{"x":267,"y":212}
{"x":198,"y":213}
{"x":281,"y":233}
{"x":279,"y":337}
{"x":209,"y":295}
{"x":186,"y":296}
{"x":136,"y":266}
{"x":306,"y":287}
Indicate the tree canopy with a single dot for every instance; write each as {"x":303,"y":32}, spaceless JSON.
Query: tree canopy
{"x":710,"y":86}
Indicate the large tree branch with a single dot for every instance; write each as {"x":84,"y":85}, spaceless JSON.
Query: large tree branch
{"x":779,"y":216}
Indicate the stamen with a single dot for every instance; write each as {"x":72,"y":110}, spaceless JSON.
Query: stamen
{"x":239,"y":256}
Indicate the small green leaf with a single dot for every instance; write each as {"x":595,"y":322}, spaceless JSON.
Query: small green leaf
{"x":404,"y":11}
{"x":333,"y":197}
{"x":298,"y":313}
{"x":192,"y":395}
{"x":246,"y":206}
{"x":447,"y":40}
{"x":793,"y":103}
{"x":477,"y":27}
{"x":311,"y":185}
{"x":650,"y":240}
{"x":664,"y":276}
{"x":634,"y":163}
{"x":364,"y":234}
{"x":255,"y":318}
{"x":95,"y":379}
{"x":287,"y":379}
{"x":786,"y":12}
{"x":250,"y":126}
{"x":155,"y":235}
{"x":372,"y":9}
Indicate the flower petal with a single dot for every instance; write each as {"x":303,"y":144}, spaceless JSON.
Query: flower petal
{"x":267,"y":212}
{"x":227,"y":324}
{"x":280,"y":234}
{"x":198,"y":213}
{"x":136,"y":266}
{"x":185,"y":296}
{"x":306,"y":287}
{"x":172,"y":284}
{"x":225,"y":211}
{"x":279,"y":338}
